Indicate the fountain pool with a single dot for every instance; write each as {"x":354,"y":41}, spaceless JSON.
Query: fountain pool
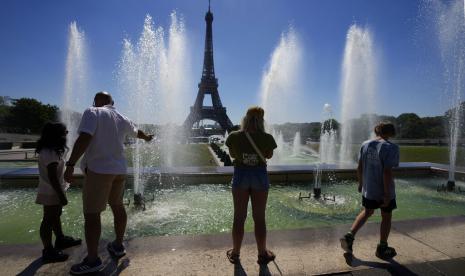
{"x":207,"y":209}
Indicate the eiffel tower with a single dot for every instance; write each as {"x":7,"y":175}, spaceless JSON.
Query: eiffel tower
{"x":208,"y":85}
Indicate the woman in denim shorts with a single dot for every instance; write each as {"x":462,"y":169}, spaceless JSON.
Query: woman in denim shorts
{"x":250,"y":147}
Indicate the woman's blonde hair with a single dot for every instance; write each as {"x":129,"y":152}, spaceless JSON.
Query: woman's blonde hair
{"x":254,"y":120}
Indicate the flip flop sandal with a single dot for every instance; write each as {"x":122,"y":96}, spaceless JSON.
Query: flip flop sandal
{"x":265,"y":259}
{"x":232,"y":257}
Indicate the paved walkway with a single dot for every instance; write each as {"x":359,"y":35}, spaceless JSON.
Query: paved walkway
{"x":425,"y":247}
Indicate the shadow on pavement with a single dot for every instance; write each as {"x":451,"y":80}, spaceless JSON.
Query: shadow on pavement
{"x":393,"y":267}
{"x":265,"y":271}
{"x":32,"y":268}
{"x":113,"y":266}
{"x":239,"y":270}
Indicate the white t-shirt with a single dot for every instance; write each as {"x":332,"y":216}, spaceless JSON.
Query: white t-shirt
{"x":109,"y":129}
{"x":46,"y":157}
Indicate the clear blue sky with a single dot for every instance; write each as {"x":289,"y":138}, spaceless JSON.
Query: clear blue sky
{"x":34,"y":42}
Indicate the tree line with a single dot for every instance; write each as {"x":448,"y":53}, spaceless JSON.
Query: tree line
{"x":408,"y":126}
{"x":27,"y":116}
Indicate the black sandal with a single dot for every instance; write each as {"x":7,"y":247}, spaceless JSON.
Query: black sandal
{"x":265,"y":259}
{"x":233,"y":257}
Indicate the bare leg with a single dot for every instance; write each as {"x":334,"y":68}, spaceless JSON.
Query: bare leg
{"x":361,"y":219}
{"x":385,"y":226}
{"x":56,"y":226}
{"x":120,"y":219}
{"x":46,"y":227}
{"x":259,"y":199}
{"x":241,"y":200}
{"x":93,"y":230}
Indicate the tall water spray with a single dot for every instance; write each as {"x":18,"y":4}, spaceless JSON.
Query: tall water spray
{"x":450,"y":24}
{"x":280,"y":85}
{"x":75,"y":86}
{"x":281,"y":79}
{"x":328,"y":135}
{"x":174,"y":82}
{"x":151,"y":75}
{"x":358,"y":87}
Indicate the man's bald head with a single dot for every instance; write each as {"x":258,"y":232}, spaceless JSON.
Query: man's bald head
{"x":102,"y":98}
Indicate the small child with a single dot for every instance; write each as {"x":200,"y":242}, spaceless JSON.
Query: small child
{"x":51,"y":191}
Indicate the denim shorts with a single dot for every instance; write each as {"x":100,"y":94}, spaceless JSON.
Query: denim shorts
{"x":252,"y":178}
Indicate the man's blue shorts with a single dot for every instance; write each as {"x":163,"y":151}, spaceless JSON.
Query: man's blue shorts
{"x":251,"y":178}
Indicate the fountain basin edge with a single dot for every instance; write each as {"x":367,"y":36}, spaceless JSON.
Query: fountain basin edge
{"x":28,"y":177}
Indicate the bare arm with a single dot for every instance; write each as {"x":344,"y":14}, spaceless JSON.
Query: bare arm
{"x":387,"y":182}
{"x":53,"y":177}
{"x":360,"y":176}
{"x":80,"y":146}
{"x":142,"y":135}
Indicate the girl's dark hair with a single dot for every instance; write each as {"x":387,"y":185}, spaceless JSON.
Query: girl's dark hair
{"x":53,"y":137}
{"x":385,"y":129}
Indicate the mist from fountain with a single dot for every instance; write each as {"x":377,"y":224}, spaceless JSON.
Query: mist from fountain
{"x":358,"y":87}
{"x":450,"y":29}
{"x":278,"y":155}
{"x":328,"y":137}
{"x":75,"y":85}
{"x":296,"y":144}
{"x":149,"y":76}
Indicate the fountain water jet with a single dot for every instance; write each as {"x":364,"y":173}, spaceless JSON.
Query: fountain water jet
{"x":450,"y":23}
{"x":281,"y":79}
{"x":359,"y":69}
{"x":75,"y":87}
{"x":296,"y":144}
{"x":280,"y":86}
{"x":149,"y":75}
{"x":174,"y":64}
{"x":328,"y":135}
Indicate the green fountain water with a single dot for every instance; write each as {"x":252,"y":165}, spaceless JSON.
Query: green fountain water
{"x":207,"y":209}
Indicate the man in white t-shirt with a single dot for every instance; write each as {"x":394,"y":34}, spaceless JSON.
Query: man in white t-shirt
{"x":102,"y":132}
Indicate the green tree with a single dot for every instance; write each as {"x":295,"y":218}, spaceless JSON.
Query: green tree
{"x":410,"y":126}
{"x":29,"y":115}
{"x":4,"y":113}
{"x":435,"y":126}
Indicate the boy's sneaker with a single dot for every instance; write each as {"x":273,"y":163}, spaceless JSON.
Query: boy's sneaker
{"x":116,"y":250}
{"x":385,"y":252}
{"x":346,"y":242}
{"x":87,"y":267}
{"x":53,"y":255}
{"x":66,"y":242}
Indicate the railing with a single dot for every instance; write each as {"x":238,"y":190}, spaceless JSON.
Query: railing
{"x":28,"y":154}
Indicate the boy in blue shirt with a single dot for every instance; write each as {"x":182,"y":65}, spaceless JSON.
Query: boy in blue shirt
{"x":376,"y":159}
